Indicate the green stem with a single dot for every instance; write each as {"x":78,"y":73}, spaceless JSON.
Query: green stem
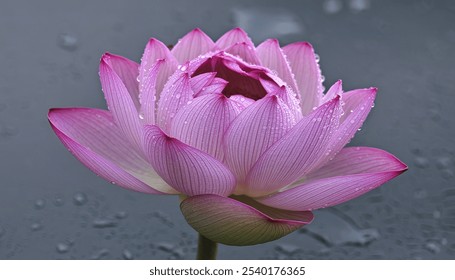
{"x":206,"y":249}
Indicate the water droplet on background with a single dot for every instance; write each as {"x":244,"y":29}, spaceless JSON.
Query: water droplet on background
{"x":100,"y":254}
{"x":267,"y":23}
{"x":433,"y":247}
{"x":359,"y":5}
{"x":67,"y":42}
{"x":62,"y":248}
{"x":332,"y":6}
{"x":421,"y":162}
{"x":287,"y":249}
{"x":40,"y":204}
{"x":104,"y":223}
{"x":59,"y":202}
{"x":121,"y":215}
{"x":127,"y":255}
{"x":80,"y":199}
{"x":333,"y":228}
{"x":36,"y":226}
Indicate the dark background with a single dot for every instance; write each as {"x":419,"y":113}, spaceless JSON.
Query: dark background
{"x":52,"y":207}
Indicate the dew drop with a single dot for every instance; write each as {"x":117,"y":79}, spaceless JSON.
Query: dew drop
{"x":141,"y":116}
{"x":316,"y":57}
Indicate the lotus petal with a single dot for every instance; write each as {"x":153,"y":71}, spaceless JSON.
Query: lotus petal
{"x":203,"y":122}
{"x":231,"y":222}
{"x":307,"y":74}
{"x":119,"y":101}
{"x":92,"y":136}
{"x":297,"y":152}
{"x":353,"y":172}
{"x":186,"y":169}
{"x":192,"y":45}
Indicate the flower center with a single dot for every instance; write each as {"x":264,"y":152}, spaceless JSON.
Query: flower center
{"x":243,"y":79}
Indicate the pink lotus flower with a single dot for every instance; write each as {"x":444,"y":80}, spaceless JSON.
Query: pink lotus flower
{"x":245,"y":134}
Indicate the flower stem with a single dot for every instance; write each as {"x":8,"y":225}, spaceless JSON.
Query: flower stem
{"x":206,"y":249}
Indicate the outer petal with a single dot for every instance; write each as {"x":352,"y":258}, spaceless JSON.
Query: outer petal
{"x":254,"y":131}
{"x":156,"y":50}
{"x":297,"y":152}
{"x":192,"y":45}
{"x":356,"y":106}
{"x":236,"y":35}
{"x":232,"y":222}
{"x":148,"y":93}
{"x":185,"y":168}
{"x":202,"y":123}
{"x":272,"y":57}
{"x":353,"y":172}
{"x":127,"y":71}
{"x":307,"y":74}
{"x":119,"y":101}
{"x":245,"y":51}
{"x":176,"y":94}
{"x":93,"y":138}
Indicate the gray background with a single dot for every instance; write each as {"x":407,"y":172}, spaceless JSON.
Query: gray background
{"x":52,"y":207}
